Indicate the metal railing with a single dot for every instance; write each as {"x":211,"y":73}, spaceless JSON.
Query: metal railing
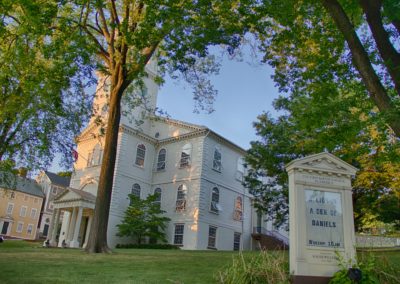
{"x":274,"y":233}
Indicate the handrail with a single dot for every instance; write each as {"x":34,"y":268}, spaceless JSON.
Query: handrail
{"x":274,"y":233}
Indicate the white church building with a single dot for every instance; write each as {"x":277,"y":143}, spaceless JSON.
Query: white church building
{"x":196,"y":172}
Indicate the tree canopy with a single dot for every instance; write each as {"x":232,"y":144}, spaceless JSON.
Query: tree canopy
{"x":342,"y":124}
{"x":315,"y":46}
{"x":42,"y":98}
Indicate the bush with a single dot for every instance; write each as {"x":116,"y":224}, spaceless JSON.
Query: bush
{"x":267,"y":267}
{"x":147,"y":246}
{"x":374,"y":270}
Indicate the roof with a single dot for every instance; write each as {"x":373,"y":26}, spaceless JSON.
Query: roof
{"x":25,"y":185}
{"x":84,"y":195}
{"x":199,"y":128}
{"x":58,"y":180}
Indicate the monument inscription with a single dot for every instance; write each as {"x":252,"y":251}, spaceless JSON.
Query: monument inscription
{"x":324,"y":219}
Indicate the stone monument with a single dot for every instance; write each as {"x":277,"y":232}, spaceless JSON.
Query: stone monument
{"x":320,"y":216}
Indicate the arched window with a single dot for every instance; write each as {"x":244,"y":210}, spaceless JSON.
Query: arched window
{"x":95,"y":156}
{"x":238,"y":213}
{"x":140,"y":155}
{"x":161,"y":160}
{"x":181,"y":198}
{"x":185,"y":155}
{"x":135,"y":191}
{"x":214,"y":207}
{"x":157,"y":192}
{"x":217,"y":165}
{"x":240,"y":169}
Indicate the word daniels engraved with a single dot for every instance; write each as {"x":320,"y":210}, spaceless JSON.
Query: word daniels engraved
{"x":324,"y":219}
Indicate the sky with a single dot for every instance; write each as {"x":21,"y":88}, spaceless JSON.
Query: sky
{"x":244,"y":91}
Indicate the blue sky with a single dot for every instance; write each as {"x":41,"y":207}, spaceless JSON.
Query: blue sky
{"x":244,"y":91}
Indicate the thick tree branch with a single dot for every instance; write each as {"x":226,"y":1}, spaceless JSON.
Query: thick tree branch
{"x":396,"y":24}
{"x":114,"y":13}
{"x":372,"y":10}
{"x":104,"y":26}
{"x":363,"y":64}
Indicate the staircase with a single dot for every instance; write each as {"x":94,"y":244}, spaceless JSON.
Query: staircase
{"x":270,"y":240}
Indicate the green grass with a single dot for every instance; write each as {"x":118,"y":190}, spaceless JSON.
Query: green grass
{"x":27,"y":262}
{"x":23,"y":262}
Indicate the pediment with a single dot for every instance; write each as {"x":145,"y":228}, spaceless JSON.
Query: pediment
{"x":90,"y":132}
{"x":324,"y":161}
{"x":67,"y":195}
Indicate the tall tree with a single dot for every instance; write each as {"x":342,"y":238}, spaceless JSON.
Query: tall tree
{"x":125,"y":35}
{"x":341,"y":122}
{"x":42,"y":103}
{"x":315,"y":42}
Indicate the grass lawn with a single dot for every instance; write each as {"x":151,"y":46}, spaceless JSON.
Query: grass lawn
{"x":25,"y":262}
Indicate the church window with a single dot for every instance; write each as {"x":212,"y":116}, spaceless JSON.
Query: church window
{"x":157,"y":192}
{"x":95,"y":156}
{"x":240,"y":169}
{"x":135,"y":191}
{"x":212,"y":237}
{"x":161,"y":160}
{"x":214,"y":207}
{"x":185,"y":156}
{"x":217,"y":165}
{"x":181,"y":198}
{"x":178,"y":236}
{"x":238,"y":212}
{"x":236,"y":241}
{"x":140,"y":155}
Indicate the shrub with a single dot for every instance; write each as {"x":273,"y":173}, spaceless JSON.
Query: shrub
{"x":147,"y":246}
{"x":374,"y":270}
{"x":266,"y":267}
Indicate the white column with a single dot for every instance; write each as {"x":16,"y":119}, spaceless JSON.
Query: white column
{"x":71,"y":226}
{"x":54,"y":226}
{"x":74,"y":243}
{"x":89,"y":224}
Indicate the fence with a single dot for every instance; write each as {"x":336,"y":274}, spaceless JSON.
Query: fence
{"x":376,"y":241}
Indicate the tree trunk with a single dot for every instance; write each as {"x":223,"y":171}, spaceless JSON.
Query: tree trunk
{"x":362,"y":63}
{"x":97,"y":242}
{"x":391,"y":58}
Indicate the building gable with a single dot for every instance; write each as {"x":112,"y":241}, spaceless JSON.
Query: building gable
{"x":324,"y":162}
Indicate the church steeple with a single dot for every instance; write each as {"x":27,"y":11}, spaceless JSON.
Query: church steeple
{"x":137,"y":104}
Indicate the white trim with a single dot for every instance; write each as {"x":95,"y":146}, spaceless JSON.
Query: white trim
{"x":8,"y":211}
{"x":33,"y":210}
{"x":18,"y":230}
{"x":20,"y":211}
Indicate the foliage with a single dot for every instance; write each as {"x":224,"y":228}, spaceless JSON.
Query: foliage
{"x":342,"y":123}
{"x":373,"y":271}
{"x":64,"y":174}
{"x":147,"y":246}
{"x":317,"y":46}
{"x":265,"y":267}
{"x":42,"y":102}
{"x":143,"y":218}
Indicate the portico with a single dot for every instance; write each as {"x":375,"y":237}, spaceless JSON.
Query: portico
{"x":76,"y":207}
